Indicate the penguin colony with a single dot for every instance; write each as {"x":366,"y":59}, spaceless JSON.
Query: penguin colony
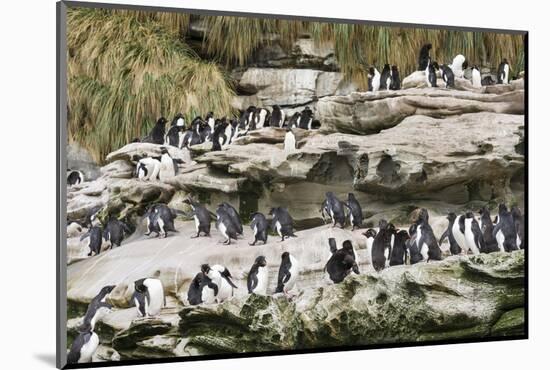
{"x":386,"y":245}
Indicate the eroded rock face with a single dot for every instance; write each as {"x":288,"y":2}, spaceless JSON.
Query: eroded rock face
{"x":466,"y":157}
{"x":367,"y":113}
{"x":459,"y":298}
{"x":289,"y":87}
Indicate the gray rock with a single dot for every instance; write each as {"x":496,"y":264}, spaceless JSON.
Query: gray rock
{"x":78,"y":158}
{"x":366,"y":113}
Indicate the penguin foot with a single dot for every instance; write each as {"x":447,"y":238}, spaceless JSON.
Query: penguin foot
{"x":254,"y":243}
{"x":194,"y":237}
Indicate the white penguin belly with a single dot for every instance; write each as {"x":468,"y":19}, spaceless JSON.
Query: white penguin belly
{"x":196,"y":222}
{"x":156,"y":294}
{"x":160,"y":222}
{"x":223,"y":230}
{"x":422,"y":248}
{"x":469,"y":236}
{"x":290,"y":142}
{"x":208,"y":296}
{"x":88,"y":349}
{"x":500,"y":240}
{"x":458,"y":235}
{"x":278,"y":227}
{"x":370,"y":241}
{"x":261,"y":288}
{"x":225,"y":290}
{"x":294,"y":271}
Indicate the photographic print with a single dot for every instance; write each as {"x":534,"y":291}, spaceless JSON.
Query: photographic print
{"x":243,"y":185}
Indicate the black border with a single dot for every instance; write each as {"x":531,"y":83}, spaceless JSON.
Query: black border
{"x":61,"y":185}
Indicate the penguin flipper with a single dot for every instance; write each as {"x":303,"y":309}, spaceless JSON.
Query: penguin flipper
{"x":444,"y":236}
{"x":495,"y":229}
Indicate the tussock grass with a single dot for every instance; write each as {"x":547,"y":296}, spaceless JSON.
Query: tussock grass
{"x":125,"y":69}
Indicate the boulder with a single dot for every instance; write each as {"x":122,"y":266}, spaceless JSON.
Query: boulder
{"x":129,"y":151}
{"x":289,"y":87}
{"x":367,"y":113}
{"x":458,"y":298}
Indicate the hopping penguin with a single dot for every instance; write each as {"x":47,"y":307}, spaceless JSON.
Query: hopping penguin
{"x":382,"y":244}
{"x":277,"y":118}
{"x":414,"y":252}
{"x":98,"y":308}
{"x":454,"y":247}
{"x":148,"y":297}
{"x":234,"y":215}
{"x":260,"y":225}
{"x":431,"y":77}
{"x":288,"y":273}
{"x":114,"y":232}
{"x":160,"y":220}
{"x":505,"y":230}
{"x":220,"y":276}
{"x":473,"y":234}
{"x":374,"y":76}
{"x":95,"y":233}
{"x":202,"y":290}
{"x":342,"y":262}
{"x":385,"y":77}
{"x":282,"y":222}
{"x":503,"y":72}
{"x":202,"y":217}
{"x":256,"y":281}
{"x":395,"y":79}
{"x":424,"y":57}
{"x":355,"y":212}
{"x":84,"y":346}
{"x":370,"y":234}
{"x":476,"y":77}
{"x":425,"y":239}
{"x":335,"y":209}
{"x":225,"y":225}
{"x":487,"y":226}
{"x":399,"y":249}
{"x":447,"y":75}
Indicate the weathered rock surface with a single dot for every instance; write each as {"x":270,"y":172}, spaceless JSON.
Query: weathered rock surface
{"x":458,"y":298}
{"x":80,"y":159}
{"x":461,"y":297}
{"x":289,"y":87}
{"x":367,"y":113}
{"x":475,"y":154}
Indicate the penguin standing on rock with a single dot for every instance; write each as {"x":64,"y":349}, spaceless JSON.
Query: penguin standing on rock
{"x":218,"y":137}
{"x":282,"y":222}
{"x":458,"y":66}
{"x":454,"y":247}
{"x":385,"y":78}
{"x":160,"y":220}
{"x":370,"y":234}
{"x":234,"y":215}
{"x":277,"y":118}
{"x":518,"y":221}
{"x":335,"y":209}
{"x":288,"y":273}
{"x":294,"y":121}
{"x":431,"y":77}
{"x":374,"y":76}
{"x":261,"y":115}
{"x":147,"y":169}
{"x":355,"y":212}
{"x":256,"y":281}
{"x":260,"y":225}
{"x":447,"y":75}
{"x":503,"y":72}
{"x":489,"y":240}
{"x":202,"y":217}
{"x":473,"y":234}
{"x":505,"y":230}
{"x":202,"y":290}
{"x":74,"y":177}
{"x":114,"y":232}
{"x":175,"y":132}
{"x":399,"y":249}
{"x":156,"y":136}
{"x":220,"y":276}
{"x":148,"y":297}
{"x":425,"y":239}
{"x":476,"y":77}
{"x":84,"y":346}
{"x":395,"y":79}
{"x":424,"y":57}
{"x":96,"y":240}
{"x":382,"y":245}
{"x":341,"y":263}
{"x":290,"y":140}
{"x":168,"y":165}
{"x":458,"y":230}
{"x":414,"y":253}
{"x":225,"y":225}
{"x":306,"y":119}
{"x":98,"y":308}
